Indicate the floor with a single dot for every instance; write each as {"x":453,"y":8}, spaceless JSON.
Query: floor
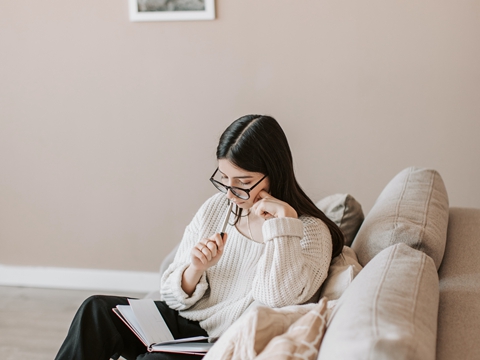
{"x":34,"y":322}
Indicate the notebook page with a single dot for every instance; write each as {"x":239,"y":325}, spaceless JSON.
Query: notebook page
{"x":151,"y":321}
{"x":186,"y":348}
{"x":127,"y":316}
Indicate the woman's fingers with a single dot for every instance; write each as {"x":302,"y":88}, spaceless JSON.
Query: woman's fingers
{"x":208,"y":251}
{"x":212,"y":246}
{"x":201,"y":252}
{"x":198,"y":254}
{"x":262,"y":194}
{"x":265,"y":208}
{"x":218,"y":240}
{"x":268,"y":207}
{"x":263,"y":213}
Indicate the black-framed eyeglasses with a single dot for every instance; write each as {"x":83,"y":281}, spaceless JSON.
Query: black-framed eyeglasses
{"x":243,"y":194}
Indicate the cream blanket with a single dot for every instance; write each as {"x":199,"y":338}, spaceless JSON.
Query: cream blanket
{"x":291,"y":332}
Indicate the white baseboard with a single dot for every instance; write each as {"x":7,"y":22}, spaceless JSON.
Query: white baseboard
{"x":79,"y":279}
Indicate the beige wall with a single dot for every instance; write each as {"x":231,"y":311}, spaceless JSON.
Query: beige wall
{"x":108,"y":128}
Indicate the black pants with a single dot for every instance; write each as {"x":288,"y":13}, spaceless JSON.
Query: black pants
{"x":96,"y":333}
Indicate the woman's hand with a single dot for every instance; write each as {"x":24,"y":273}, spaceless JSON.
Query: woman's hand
{"x":207,"y":252}
{"x":268,"y":207}
{"x":204,"y":254}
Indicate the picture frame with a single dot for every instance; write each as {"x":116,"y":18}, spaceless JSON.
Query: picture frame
{"x":171,"y":10}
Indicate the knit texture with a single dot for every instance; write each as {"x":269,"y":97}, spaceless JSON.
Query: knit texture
{"x":287,"y":269}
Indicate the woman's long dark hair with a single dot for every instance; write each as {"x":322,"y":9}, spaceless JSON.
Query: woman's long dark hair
{"x":257,"y":143}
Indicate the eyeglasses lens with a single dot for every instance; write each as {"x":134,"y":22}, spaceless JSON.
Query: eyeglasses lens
{"x":217,"y":182}
{"x":239,"y":193}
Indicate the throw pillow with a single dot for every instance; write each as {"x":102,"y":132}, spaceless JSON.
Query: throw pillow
{"x":341,"y":273}
{"x":344,"y":211}
{"x":412,"y":209}
{"x":302,"y":339}
{"x":388,"y":312}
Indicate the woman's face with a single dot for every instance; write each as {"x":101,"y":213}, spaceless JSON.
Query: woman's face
{"x":232,"y":175}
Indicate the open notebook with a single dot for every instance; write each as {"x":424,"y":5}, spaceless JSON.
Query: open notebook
{"x":144,"y":319}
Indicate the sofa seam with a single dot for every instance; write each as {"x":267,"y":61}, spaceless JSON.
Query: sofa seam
{"x":425,"y":212}
{"x":415,"y":297}
{"x":377,"y":295}
{"x":397,"y":209}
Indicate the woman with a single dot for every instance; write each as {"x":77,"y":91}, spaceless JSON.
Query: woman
{"x":277,"y":251}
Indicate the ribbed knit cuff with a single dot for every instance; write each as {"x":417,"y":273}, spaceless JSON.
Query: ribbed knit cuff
{"x":178,"y":295}
{"x":279,"y":227}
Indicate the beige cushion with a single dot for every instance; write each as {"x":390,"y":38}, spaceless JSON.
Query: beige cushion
{"x":388,"y":312}
{"x":344,"y":211}
{"x":412,"y":209}
{"x":301,"y":340}
{"x":341,"y":273}
{"x":459,"y":309}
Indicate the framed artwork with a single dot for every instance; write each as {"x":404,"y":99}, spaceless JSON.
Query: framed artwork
{"x":171,"y":10}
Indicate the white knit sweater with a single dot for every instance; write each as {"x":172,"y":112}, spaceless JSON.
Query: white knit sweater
{"x":287,"y":269}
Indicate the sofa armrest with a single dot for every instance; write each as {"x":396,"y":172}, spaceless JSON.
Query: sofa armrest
{"x":459,"y":308}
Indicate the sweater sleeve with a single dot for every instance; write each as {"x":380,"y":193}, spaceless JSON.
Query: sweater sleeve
{"x":202,"y":225}
{"x":171,"y":291}
{"x":295,"y":262}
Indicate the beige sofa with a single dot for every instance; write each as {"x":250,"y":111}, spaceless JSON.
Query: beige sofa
{"x":418,"y":294}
